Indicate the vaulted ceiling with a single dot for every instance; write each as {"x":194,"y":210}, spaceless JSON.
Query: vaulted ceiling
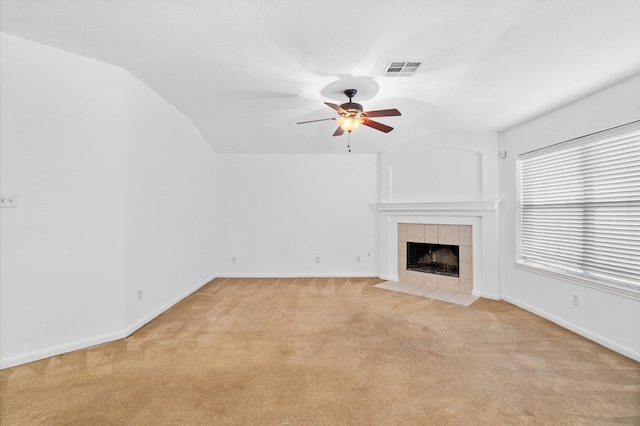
{"x":246,"y":71}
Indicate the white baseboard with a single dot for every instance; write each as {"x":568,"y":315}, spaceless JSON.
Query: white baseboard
{"x":299,"y":275}
{"x":97,"y":340}
{"x":576,"y":329}
{"x":390,"y":278}
{"x":60,"y":349}
{"x":485,"y":295}
{"x":147,"y":318}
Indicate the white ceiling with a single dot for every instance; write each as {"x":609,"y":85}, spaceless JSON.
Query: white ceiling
{"x":246,"y":71}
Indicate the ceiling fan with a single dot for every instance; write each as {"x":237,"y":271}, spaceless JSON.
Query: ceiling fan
{"x":351,"y":116}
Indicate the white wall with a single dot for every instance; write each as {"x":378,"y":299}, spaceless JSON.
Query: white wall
{"x":169,"y":205}
{"x":61,"y":255}
{"x":116,"y":194}
{"x":442,"y":174}
{"x":441,"y":168}
{"x":276,"y":213}
{"x":609,"y":319}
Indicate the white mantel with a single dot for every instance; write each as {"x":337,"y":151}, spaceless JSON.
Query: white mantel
{"x":458,"y":206}
{"x":481,"y":215}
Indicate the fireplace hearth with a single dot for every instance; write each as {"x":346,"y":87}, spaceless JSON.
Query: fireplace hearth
{"x":439,"y":259}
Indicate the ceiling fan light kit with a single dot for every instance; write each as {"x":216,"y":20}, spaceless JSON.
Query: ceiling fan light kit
{"x":351,"y":116}
{"x":350,"y":123}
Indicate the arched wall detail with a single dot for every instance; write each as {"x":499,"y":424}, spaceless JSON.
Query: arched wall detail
{"x":438,"y":174}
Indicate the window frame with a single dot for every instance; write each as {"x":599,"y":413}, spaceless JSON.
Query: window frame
{"x":631,"y":291}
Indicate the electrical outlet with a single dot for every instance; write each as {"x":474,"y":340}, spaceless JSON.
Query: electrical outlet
{"x":8,"y":200}
{"x":576,"y":300}
{"x":139,"y":295}
{"x":317,"y":259}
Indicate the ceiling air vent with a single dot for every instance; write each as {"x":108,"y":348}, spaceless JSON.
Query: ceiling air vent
{"x":401,"y":68}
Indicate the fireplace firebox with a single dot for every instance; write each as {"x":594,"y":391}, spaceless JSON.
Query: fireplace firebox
{"x":433,"y":258}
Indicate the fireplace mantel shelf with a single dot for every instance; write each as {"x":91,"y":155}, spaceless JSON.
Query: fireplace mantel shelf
{"x":458,"y":206}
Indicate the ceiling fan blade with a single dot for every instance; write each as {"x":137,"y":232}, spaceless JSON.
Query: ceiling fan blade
{"x":313,"y":121}
{"x":382,"y":113}
{"x":377,"y":126}
{"x":338,"y":131}
{"x":336,"y":107}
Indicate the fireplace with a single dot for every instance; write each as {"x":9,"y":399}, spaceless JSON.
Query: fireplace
{"x":438,"y":256}
{"x":437,"y":259}
{"x":471,"y":225}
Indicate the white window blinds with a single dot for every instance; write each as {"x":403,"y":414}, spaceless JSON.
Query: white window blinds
{"x":580,"y":206}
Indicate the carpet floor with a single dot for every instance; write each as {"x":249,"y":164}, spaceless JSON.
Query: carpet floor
{"x":327,"y":351}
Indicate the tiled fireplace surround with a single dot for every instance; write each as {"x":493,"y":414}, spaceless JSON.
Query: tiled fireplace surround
{"x":476,"y":223}
{"x":457,"y":235}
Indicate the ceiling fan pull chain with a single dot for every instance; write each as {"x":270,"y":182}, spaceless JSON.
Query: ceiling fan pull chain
{"x":349,"y":141}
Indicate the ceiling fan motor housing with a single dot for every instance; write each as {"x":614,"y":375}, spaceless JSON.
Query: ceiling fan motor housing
{"x":352,"y":108}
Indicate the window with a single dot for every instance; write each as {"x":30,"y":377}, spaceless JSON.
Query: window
{"x":580,"y":208}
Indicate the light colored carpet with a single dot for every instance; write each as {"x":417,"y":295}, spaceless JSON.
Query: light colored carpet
{"x":329,"y":352}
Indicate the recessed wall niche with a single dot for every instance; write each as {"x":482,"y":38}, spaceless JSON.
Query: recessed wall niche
{"x":440,"y":174}
{"x":449,"y":235}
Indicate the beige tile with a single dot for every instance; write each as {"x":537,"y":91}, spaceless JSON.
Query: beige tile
{"x":466,"y":270}
{"x":388,"y":285}
{"x":415,"y":232}
{"x":462,"y":299}
{"x":431,"y":281}
{"x":466,"y":254}
{"x":414,"y":277}
{"x":448,"y":234}
{"x":402,"y":248}
{"x":440,"y":294}
{"x":448,"y":283}
{"x":431,"y":234}
{"x":402,"y":275}
{"x":429,"y":290}
{"x":402,"y":232}
{"x":400,"y":287}
{"x":407,"y":287}
{"x":466,"y":235}
{"x":402,"y":262}
{"x":421,"y":291}
{"x":466,"y":286}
